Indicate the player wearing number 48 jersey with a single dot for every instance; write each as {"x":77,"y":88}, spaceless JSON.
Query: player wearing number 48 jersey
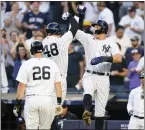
{"x":56,"y":47}
{"x":38,"y":78}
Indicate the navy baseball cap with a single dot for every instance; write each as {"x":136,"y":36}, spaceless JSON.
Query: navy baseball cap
{"x":134,"y":38}
{"x":131,"y":9}
{"x":64,"y":105}
{"x":134,"y":51}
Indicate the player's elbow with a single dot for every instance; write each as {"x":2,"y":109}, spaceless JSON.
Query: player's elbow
{"x":117,"y":58}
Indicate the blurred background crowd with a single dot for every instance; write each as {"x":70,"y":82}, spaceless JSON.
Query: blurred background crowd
{"x":24,"y":22}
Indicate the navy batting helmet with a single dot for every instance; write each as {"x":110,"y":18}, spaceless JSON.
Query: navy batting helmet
{"x":103,"y":25}
{"x":53,"y":28}
{"x":36,"y":47}
{"x":141,"y":75}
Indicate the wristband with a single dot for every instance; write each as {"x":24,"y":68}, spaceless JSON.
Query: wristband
{"x":59,"y":100}
{"x":18,"y":101}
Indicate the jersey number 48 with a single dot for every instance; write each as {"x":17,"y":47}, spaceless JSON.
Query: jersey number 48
{"x":53,"y":50}
{"x":41,"y":73}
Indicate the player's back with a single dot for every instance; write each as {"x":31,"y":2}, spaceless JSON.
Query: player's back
{"x":41,"y":73}
{"x":56,"y":48}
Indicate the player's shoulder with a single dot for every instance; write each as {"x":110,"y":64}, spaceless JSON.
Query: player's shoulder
{"x":111,"y":40}
{"x":49,"y":61}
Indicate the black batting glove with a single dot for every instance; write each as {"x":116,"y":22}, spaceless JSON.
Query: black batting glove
{"x":17,"y":108}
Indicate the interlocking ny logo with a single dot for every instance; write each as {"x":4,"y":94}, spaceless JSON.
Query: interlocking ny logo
{"x":106,"y":48}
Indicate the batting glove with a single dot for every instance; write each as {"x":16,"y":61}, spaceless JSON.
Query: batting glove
{"x":17,"y":108}
{"x":66,"y":16}
{"x":81,"y":10}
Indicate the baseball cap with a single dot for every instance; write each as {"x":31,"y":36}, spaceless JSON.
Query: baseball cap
{"x":134,"y":38}
{"x":134,"y":51}
{"x":131,"y":9}
{"x":64,"y":105}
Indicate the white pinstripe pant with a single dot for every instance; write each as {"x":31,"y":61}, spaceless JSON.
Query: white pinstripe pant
{"x":99,"y":87}
{"x":136,"y":124}
{"x":39,"y":111}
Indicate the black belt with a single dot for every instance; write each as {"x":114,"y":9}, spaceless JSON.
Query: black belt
{"x":98,"y":73}
{"x":138,"y":117}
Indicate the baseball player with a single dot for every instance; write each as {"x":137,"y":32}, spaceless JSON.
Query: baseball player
{"x":38,"y":78}
{"x":96,"y":77}
{"x":135,"y":106}
{"x":56,"y":47}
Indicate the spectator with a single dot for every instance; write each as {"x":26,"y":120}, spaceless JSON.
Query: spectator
{"x":136,"y":4}
{"x":75,"y":68}
{"x":34,"y":19}
{"x":114,"y":7}
{"x":13,"y":37}
{"x":140,"y":10}
{"x":4,"y":81}
{"x":121,"y":38}
{"x":65,"y":115}
{"x":20,"y":40}
{"x":135,"y":45}
{"x":140,"y":66}
{"x":20,"y":53}
{"x":21,"y":56}
{"x":35,"y":33}
{"x":123,"y":8}
{"x":44,"y":7}
{"x":91,"y":12}
{"x":24,"y":6}
{"x":118,"y":73}
{"x":106,"y":15}
{"x":9,"y":63}
{"x":57,"y":8}
{"x":13,"y":20}
{"x":3,"y":11}
{"x":134,"y":80}
{"x":133,"y":24}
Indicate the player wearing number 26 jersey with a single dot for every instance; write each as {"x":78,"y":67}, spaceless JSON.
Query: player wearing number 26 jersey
{"x":56,"y":47}
{"x":38,"y":78}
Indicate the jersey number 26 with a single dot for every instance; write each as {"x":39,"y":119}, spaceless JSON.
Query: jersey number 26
{"x":53,"y":50}
{"x":41,"y":73}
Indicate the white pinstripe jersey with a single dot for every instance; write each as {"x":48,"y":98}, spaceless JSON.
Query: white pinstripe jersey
{"x":95,"y":48}
{"x":39,"y":75}
{"x":57,"y":49}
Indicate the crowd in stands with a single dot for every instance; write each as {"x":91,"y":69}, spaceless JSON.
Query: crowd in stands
{"x":24,"y":22}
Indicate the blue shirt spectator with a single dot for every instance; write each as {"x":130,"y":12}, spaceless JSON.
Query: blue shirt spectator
{"x":132,"y":74}
{"x":34,"y":19}
{"x":135,"y":45}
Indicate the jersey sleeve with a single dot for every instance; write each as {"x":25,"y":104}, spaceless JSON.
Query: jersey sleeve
{"x":115,"y":49}
{"x":66,"y":39}
{"x":57,"y":74}
{"x":81,"y":37}
{"x":22,"y":74}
